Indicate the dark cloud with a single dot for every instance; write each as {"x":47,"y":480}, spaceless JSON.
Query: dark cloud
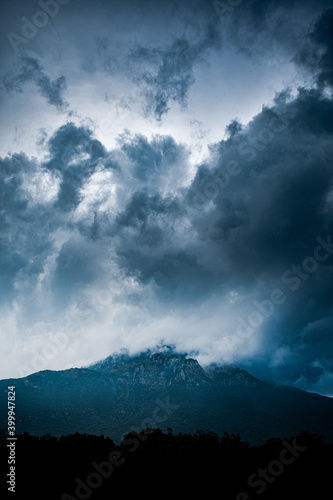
{"x":149,"y":246}
{"x":24,"y":225}
{"x":167,"y":74}
{"x":154,"y":161}
{"x":263,"y":197}
{"x":261,"y":203}
{"x":74,"y":155}
{"x":317,"y":54}
{"x":272,"y":29}
{"x":78,"y":264}
{"x":234,"y":127}
{"x":243,"y":222}
{"x":30,"y":70}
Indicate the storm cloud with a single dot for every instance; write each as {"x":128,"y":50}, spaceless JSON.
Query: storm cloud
{"x":317,"y":53}
{"x":30,"y":70}
{"x":167,"y":74}
{"x":223,"y":249}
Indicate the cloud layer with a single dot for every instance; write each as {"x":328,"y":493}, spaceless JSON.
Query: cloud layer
{"x":228,"y":258}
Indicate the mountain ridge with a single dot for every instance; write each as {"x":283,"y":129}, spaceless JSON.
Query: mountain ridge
{"x":171,"y":367}
{"x":162,"y":389}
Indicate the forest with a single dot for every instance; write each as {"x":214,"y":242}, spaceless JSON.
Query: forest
{"x":155,"y":463}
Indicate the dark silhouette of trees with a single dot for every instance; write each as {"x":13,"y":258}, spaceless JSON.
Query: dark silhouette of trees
{"x":154,"y":463}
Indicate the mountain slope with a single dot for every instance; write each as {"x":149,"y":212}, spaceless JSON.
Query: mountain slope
{"x":163,"y":389}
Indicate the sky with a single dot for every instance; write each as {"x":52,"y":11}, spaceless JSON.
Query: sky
{"x":166,"y":178}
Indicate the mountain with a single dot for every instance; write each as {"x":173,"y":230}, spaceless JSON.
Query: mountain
{"x":160,"y":369}
{"x":162,"y":389}
{"x":168,"y":368}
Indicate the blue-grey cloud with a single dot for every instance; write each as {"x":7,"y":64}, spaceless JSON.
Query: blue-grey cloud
{"x":317,"y":53}
{"x":154,"y":161}
{"x":30,"y":70}
{"x":25,"y":224}
{"x":74,"y":155}
{"x":140,"y":213}
{"x":167,"y":74}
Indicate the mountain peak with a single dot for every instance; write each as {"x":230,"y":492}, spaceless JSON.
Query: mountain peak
{"x":164,"y":366}
{"x":154,"y":367}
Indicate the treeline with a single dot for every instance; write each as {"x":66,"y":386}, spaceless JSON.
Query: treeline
{"x":156,"y":464}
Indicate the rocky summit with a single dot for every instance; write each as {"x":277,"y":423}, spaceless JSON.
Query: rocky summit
{"x":169,"y":368}
{"x":162,"y":389}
